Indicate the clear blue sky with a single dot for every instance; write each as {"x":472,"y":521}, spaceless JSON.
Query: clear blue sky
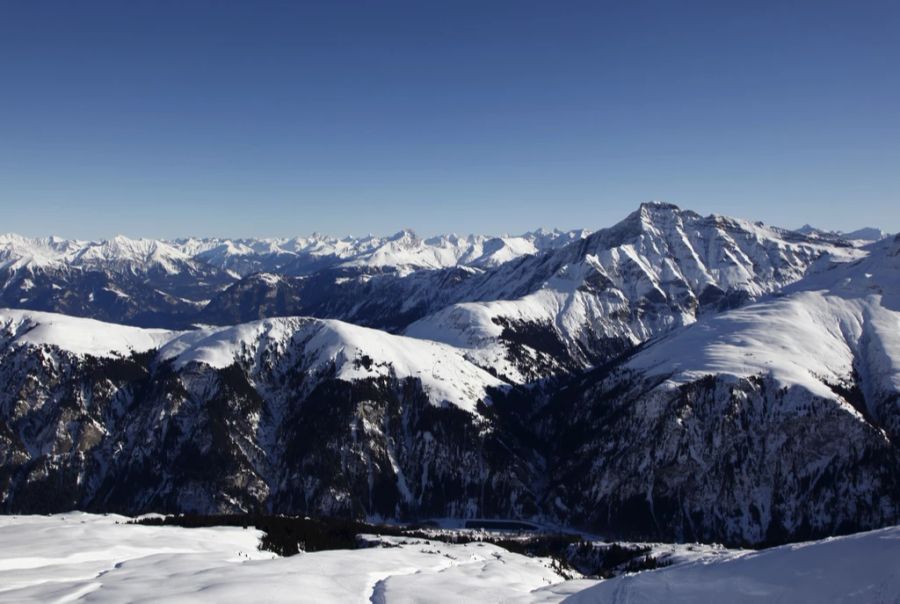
{"x":278,"y":118}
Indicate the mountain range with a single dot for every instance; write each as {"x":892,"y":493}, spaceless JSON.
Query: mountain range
{"x":674,"y":376}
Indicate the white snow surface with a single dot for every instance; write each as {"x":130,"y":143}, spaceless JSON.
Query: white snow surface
{"x":94,"y":558}
{"x":78,"y":335}
{"x":90,"y":558}
{"x":858,"y":568}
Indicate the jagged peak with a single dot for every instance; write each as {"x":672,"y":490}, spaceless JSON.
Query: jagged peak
{"x":405,"y":234}
{"x":641,"y":220}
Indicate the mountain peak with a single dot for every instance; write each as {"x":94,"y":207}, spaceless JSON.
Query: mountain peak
{"x":406,"y":234}
{"x":650,"y":215}
{"x":659,"y":205}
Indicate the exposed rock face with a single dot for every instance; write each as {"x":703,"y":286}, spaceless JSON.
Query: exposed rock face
{"x":718,"y":459}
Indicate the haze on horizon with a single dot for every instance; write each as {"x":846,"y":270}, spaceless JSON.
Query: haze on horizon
{"x":167,"y":119}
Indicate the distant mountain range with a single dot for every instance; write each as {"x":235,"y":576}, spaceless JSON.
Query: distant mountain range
{"x":403,"y":251}
{"x":672,"y":376}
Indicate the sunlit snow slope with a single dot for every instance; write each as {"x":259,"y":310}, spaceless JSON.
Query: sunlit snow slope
{"x":87,"y":558}
{"x":90,"y":558}
{"x":858,"y":568}
{"x":834,"y":328}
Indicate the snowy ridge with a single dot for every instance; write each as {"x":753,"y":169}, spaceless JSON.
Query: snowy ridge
{"x":478,"y":327}
{"x":78,"y":336}
{"x":354,"y":352}
{"x":825,"y":327}
{"x":134,"y":255}
{"x":405,"y":250}
{"x":312,"y":346}
{"x":656,"y":270}
{"x":810,"y":340}
{"x":17,"y":252}
{"x":758,"y":371}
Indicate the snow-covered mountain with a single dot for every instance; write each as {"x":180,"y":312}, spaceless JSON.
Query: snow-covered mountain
{"x":290,"y":415}
{"x":780,"y":418}
{"x":144,"y":282}
{"x":673,"y":376}
{"x":659,"y":269}
{"x":656,"y":270}
{"x":168,"y":283}
{"x":403,"y":251}
{"x":119,"y":254}
{"x":661,"y":266}
{"x":769,"y":422}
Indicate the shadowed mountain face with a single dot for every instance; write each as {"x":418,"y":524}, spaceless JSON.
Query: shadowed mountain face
{"x":674,"y":376}
{"x":286,"y":415}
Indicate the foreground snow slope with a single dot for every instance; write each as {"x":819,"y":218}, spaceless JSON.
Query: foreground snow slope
{"x":92,"y":559}
{"x":859,"y":568}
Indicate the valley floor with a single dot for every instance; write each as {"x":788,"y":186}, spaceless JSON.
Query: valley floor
{"x":93,"y":558}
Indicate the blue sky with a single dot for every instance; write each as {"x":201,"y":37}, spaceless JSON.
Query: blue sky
{"x":261,"y":118}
